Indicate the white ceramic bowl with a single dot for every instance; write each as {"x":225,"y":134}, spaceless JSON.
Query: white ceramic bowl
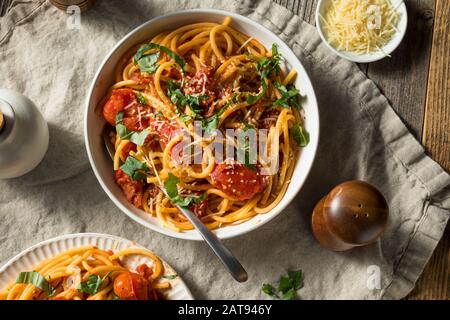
{"x":387,"y":49}
{"x":101,"y":162}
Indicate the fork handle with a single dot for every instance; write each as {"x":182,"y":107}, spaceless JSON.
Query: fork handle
{"x":229,"y":261}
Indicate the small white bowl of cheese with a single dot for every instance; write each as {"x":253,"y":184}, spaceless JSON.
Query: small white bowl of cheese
{"x":362,"y":31}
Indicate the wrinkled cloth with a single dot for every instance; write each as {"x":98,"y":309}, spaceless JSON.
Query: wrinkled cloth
{"x":361,"y":138}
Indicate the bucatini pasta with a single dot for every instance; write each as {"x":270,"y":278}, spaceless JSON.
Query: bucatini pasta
{"x":198,"y":82}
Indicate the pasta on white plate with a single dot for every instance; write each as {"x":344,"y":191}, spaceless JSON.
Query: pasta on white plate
{"x":90,"y":273}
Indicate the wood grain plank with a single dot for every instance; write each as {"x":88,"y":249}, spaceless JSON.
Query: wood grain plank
{"x":403,"y":77}
{"x":434,"y":282}
{"x":436,"y":130}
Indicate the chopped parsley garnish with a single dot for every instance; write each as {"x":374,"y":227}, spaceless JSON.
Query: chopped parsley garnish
{"x":170,"y":276}
{"x":92,"y":285}
{"x":287,"y":286}
{"x":300,"y":135}
{"x":265,"y":67}
{"x":38,"y":280}
{"x":135,"y":169}
{"x":137,"y":137}
{"x":290,"y":96}
{"x":151,"y":63}
{"x":172,"y":191}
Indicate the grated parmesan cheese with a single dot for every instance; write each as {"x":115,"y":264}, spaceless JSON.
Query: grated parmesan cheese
{"x":360,"y":26}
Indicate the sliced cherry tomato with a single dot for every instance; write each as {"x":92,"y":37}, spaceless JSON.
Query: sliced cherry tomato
{"x":237,"y":180}
{"x":132,"y":189}
{"x":131,"y":286}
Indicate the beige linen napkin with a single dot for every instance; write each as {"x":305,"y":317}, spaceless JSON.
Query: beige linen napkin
{"x":361,"y":138}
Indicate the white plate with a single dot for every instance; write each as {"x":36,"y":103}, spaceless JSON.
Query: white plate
{"x":101,"y":163}
{"x":27,"y":259}
{"x":387,"y":49}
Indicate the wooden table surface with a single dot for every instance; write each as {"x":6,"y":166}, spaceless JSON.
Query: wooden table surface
{"x":417,"y":82}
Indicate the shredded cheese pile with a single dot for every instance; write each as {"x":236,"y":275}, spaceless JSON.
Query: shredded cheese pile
{"x":360,"y":26}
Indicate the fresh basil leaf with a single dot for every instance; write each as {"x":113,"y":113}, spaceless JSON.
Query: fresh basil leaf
{"x":284,"y":284}
{"x":122,"y":131}
{"x":210,"y":125}
{"x":170,"y":276}
{"x":142,"y":50}
{"x":172,"y":191}
{"x":119,"y":117}
{"x":267,"y":66}
{"x":289,"y":295}
{"x":269,"y":290}
{"x":171,"y":186}
{"x":180,"y":100}
{"x":134,"y":168}
{"x":296,"y":278}
{"x":287,"y":286}
{"x":138,"y":138}
{"x":185,"y":118}
{"x":141,"y":98}
{"x":92,"y":285}
{"x":149,"y":63}
{"x":38,"y":280}
{"x":300,"y":135}
{"x":200,"y":199}
{"x":290,"y":96}
{"x":252,"y":99}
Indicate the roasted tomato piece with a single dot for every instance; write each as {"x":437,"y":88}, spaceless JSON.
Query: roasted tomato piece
{"x":237,"y":180}
{"x":119,"y":99}
{"x":202,"y":83}
{"x":135,"y":116}
{"x":164,"y":129}
{"x":199,"y":209}
{"x":132,"y":189}
{"x":130,"y":146}
{"x":144,"y":271}
{"x":132,"y":286}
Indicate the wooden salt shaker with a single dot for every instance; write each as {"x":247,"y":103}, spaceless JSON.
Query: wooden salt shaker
{"x":64,"y":4}
{"x":353,"y":214}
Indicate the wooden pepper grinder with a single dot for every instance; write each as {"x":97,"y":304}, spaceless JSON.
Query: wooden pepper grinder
{"x":353,"y":214}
